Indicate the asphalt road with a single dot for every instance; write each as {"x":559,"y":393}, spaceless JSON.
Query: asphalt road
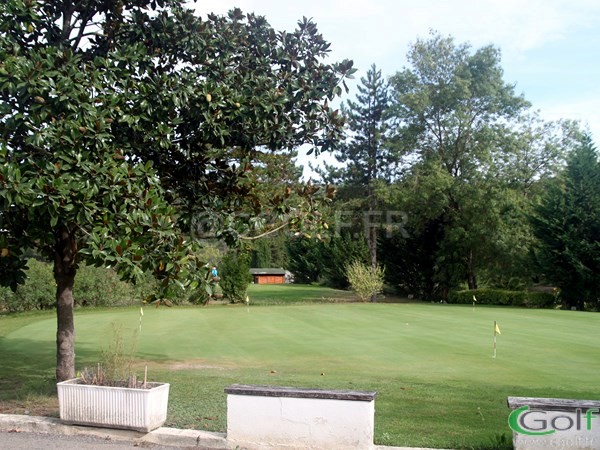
{"x":38,"y":441}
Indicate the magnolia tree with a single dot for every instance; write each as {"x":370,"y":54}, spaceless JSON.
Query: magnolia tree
{"x":123,"y":121}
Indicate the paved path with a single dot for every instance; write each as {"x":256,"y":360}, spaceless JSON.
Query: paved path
{"x":45,"y":441}
{"x":49,"y":433}
{"x":19,"y":432}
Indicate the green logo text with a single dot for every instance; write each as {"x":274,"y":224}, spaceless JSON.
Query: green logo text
{"x":538,"y":423}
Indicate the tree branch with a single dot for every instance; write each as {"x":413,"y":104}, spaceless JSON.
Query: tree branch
{"x":266,"y":233}
{"x":84,"y":19}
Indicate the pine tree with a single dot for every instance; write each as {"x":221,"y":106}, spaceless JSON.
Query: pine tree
{"x":365,"y":159}
{"x":567,"y":225}
{"x":365,"y":155}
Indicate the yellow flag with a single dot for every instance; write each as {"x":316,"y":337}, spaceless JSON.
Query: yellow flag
{"x":497,"y":329}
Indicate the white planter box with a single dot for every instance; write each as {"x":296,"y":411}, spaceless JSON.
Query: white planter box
{"x":113,"y":407}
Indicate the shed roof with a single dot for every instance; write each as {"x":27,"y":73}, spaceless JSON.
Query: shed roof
{"x":265,"y":271}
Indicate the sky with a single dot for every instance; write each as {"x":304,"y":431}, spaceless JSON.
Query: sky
{"x":550,"y":48}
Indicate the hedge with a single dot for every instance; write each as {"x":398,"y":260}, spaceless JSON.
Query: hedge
{"x":93,"y":287}
{"x":528,"y":299}
{"x":235,"y":275}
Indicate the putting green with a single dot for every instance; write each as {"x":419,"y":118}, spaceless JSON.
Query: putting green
{"x":431,"y":363}
{"x":425,"y":341}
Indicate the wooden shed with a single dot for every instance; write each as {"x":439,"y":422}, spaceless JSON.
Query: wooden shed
{"x":268,"y":276}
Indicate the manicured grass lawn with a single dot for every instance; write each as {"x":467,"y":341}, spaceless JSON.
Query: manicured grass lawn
{"x":286,"y":294}
{"x":431,"y":364}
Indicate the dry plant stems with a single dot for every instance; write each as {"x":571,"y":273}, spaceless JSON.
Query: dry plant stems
{"x":116,"y":366}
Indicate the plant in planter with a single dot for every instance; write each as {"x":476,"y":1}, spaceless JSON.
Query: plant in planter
{"x":111,"y":395}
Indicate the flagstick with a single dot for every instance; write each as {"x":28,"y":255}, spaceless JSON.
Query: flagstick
{"x":494,"y":339}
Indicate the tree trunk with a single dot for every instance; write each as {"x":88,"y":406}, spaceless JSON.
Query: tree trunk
{"x":65,"y":251}
{"x":372,"y":244}
{"x":471,"y":277}
{"x":472,"y":280}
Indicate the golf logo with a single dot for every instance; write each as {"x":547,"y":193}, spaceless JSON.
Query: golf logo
{"x":540,"y":423}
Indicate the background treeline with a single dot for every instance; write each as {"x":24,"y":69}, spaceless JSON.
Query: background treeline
{"x":450,"y":181}
{"x":453,"y":182}
{"x":447,"y":179}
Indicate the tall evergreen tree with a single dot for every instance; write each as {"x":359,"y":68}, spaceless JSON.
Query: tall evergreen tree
{"x":567,"y":225}
{"x":365,"y":159}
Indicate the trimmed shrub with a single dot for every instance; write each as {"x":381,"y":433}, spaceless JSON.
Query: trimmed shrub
{"x":235,"y":276}
{"x":503,"y":297}
{"x":540,"y":300}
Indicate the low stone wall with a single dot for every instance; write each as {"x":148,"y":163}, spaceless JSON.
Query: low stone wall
{"x":261,"y":417}
{"x":554,"y":423}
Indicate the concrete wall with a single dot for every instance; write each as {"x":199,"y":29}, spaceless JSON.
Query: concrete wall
{"x":260,"y":417}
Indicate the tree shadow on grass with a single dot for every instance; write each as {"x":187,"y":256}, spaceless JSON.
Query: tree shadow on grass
{"x":28,"y":372}
{"x":27,"y":378}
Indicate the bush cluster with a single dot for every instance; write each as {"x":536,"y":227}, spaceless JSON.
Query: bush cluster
{"x":528,"y":299}
{"x":93,"y":287}
{"x":97,"y":286}
{"x":38,"y":292}
{"x":235,"y":276}
{"x":364,"y":281}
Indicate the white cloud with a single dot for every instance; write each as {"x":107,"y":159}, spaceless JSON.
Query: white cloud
{"x":587,"y":111}
{"x":548,"y":46}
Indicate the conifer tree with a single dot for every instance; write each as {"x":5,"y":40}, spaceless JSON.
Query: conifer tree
{"x":567,"y":225}
{"x":365,"y":159}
